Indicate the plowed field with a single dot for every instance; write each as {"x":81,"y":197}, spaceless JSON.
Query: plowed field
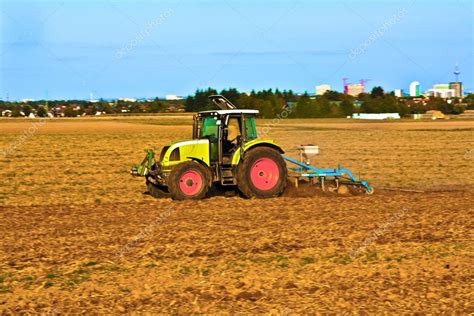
{"x":78,"y":235}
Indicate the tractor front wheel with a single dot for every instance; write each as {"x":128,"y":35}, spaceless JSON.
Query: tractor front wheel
{"x":262,"y":173}
{"x":188,"y":181}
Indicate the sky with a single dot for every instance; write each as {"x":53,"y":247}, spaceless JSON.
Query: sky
{"x":136,"y":49}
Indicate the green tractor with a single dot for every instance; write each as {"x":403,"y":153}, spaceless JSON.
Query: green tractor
{"x":224,"y":150}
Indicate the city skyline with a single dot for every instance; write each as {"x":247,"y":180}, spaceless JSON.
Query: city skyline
{"x":54,"y":50}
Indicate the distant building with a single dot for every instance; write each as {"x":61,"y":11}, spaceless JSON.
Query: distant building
{"x":322,"y":89}
{"x":398,"y":93}
{"x":173,"y":97}
{"x":128,"y":99}
{"x":376,"y":116}
{"x":7,"y":113}
{"x":415,"y":101}
{"x":441,"y":86}
{"x":442,"y":90}
{"x":441,"y":93}
{"x":355,"y":89}
{"x":415,"y":89}
{"x":458,"y":88}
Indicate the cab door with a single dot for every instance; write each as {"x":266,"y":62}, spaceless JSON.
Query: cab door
{"x":210,"y":128}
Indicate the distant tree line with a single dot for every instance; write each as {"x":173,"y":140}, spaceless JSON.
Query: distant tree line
{"x":268,"y":102}
{"x":271,"y":103}
{"x":332,"y":104}
{"x":73,"y":108}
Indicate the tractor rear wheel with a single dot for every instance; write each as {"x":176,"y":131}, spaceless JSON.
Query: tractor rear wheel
{"x":188,"y":181}
{"x":262,"y":173}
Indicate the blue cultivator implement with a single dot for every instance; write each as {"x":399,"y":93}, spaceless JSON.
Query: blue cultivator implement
{"x":339,"y":180}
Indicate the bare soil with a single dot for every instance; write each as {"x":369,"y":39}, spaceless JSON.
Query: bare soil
{"x":79,"y":236}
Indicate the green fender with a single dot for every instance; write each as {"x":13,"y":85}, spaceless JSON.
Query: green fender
{"x":252,"y":144}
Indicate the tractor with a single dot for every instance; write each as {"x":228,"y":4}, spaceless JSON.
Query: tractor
{"x":224,"y":150}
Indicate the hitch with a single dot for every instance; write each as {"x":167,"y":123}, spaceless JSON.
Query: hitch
{"x":142,"y":169}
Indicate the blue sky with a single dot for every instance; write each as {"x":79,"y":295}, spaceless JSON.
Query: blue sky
{"x":68,"y":49}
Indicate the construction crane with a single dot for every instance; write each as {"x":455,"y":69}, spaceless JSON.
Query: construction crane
{"x":362,"y":82}
{"x":346,"y":89}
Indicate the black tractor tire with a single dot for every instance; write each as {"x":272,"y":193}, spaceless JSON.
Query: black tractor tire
{"x":178,"y":184}
{"x":249,"y":161}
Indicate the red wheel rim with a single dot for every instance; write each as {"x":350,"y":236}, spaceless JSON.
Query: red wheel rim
{"x":190,"y":182}
{"x":264,"y":174}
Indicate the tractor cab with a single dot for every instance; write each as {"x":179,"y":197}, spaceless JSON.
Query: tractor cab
{"x":226,"y":130}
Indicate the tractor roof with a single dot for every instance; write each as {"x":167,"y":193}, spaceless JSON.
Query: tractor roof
{"x":226,"y":107}
{"x":221,"y":102}
{"x":233,"y":111}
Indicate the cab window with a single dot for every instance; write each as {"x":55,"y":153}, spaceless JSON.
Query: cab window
{"x":250,"y":130}
{"x":209,"y":127}
{"x":233,"y":129}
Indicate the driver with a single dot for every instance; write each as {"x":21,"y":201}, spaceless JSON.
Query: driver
{"x":233,"y":133}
